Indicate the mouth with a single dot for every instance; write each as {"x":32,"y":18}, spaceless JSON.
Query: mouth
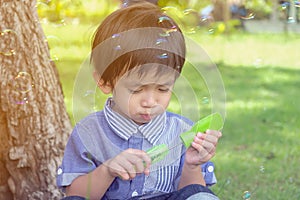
{"x":146,"y":117}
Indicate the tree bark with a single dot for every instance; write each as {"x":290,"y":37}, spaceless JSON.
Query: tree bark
{"x":34,"y":125}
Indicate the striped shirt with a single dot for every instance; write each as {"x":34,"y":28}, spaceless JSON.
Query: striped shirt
{"x":103,"y":135}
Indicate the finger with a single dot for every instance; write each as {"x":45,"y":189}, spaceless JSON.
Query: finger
{"x":203,"y":153}
{"x":139,"y":165}
{"x":212,"y":138}
{"x":204,"y":144}
{"x":126,"y":170}
{"x":141,"y":154}
{"x":215,"y":133}
{"x":209,"y":146}
{"x":129,"y":169}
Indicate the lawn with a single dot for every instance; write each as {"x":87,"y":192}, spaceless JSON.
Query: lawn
{"x":260,"y":150}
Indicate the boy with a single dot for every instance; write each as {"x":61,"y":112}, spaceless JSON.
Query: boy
{"x":138,"y":52}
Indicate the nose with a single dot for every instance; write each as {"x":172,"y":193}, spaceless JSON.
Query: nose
{"x":149,"y":99}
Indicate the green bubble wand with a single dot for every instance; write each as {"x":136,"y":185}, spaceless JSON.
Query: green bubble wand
{"x":212,"y":122}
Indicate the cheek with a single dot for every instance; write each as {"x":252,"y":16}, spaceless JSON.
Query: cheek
{"x":165,"y":98}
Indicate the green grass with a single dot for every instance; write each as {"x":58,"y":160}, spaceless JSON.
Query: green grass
{"x":260,"y":148}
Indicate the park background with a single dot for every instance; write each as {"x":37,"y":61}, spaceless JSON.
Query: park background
{"x":257,"y":55}
{"x":259,"y":151}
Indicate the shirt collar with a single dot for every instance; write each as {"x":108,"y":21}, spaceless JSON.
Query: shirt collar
{"x":125,"y":127}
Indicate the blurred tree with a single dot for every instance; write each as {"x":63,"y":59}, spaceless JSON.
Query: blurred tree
{"x":33,"y":120}
{"x":262,"y":9}
{"x":220,"y":6}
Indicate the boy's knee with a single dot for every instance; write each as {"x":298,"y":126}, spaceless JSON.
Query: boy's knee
{"x":203,"y":196}
{"x":73,"y":198}
{"x":195,"y":191}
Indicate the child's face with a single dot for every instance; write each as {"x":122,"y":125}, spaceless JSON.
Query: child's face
{"x":141,"y":98}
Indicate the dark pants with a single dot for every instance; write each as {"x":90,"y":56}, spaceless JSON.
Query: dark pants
{"x":181,"y":194}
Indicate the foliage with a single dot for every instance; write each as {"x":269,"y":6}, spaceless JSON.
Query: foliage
{"x":60,"y":10}
{"x":260,"y":8}
{"x":185,"y":4}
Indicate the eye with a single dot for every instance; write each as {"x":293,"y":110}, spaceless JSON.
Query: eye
{"x":135,"y":91}
{"x":164,"y":89}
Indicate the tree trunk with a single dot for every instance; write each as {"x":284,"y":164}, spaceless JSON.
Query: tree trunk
{"x":34,"y":125}
{"x":221,"y":10}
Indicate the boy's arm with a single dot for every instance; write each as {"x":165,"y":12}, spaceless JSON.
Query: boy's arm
{"x":125,"y":165}
{"x":202,"y":150}
{"x":92,"y":185}
{"x":191,"y":174}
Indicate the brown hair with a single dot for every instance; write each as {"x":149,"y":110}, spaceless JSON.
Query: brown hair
{"x":136,"y":35}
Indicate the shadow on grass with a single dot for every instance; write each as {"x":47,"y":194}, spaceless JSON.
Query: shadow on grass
{"x":260,"y":148}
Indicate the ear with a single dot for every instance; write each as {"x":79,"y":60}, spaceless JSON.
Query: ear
{"x":105,"y":88}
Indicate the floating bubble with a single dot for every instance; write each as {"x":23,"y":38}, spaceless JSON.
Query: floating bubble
{"x":192,"y":20}
{"x":167,"y":31}
{"x":228,"y":181}
{"x":248,"y":16}
{"x":205,"y":100}
{"x":163,"y":56}
{"x":257,"y":62}
{"x":89,"y":92}
{"x":8,"y":40}
{"x":211,"y":31}
{"x":22,"y":82}
{"x":118,"y":47}
{"x":291,"y":20}
{"x":42,"y":5}
{"x":160,"y":41}
{"x":21,"y":86}
{"x":262,"y":169}
{"x":284,"y":6}
{"x":23,"y":101}
{"x":163,"y":18}
{"x":116,"y":35}
{"x":172,"y":11}
{"x":53,"y":42}
{"x":17,"y":97}
{"x":247,"y":195}
{"x":59,"y":23}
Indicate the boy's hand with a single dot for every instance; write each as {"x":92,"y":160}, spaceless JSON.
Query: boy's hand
{"x":203,"y":147}
{"x":128,"y":164}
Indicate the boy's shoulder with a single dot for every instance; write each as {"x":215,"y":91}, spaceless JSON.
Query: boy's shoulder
{"x":93,"y":119}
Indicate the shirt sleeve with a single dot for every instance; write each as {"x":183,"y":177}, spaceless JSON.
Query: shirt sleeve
{"x":208,"y":169}
{"x":76,"y":161}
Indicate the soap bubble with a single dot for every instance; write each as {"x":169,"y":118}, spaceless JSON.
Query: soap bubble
{"x":22,"y":82}
{"x":115,"y":35}
{"x":191,"y":19}
{"x":248,"y":16}
{"x":205,"y":100}
{"x":53,"y":42}
{"x":89,"y":92}
{"x":21,"y":86}
{"x":167,"y":31}
{"x":247,"y":195}
{"x":160,"y":41}
{"x":163,"y":56}
{"x":262,"y":169}
{"x":8,"y":43}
